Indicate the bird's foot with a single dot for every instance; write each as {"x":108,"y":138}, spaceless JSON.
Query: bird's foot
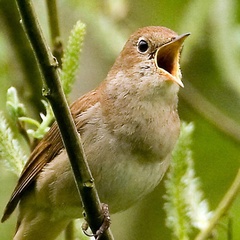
{"x":105,"y":224}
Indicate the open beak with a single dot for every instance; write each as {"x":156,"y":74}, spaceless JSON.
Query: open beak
{"x":167,"y":58}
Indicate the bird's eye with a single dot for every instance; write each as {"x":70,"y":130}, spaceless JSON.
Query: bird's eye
{"x":142,"y":46}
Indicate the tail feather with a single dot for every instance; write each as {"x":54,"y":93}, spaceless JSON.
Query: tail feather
{"x":39,"y":226}
{"x":9,"y":209}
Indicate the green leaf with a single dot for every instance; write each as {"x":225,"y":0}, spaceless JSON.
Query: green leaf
{"x":185,"y":206}
{"x":71,"y":56}
{"x":15,"y":108}
{"x":10,"y":150}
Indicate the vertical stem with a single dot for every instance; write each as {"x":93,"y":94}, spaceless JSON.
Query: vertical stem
{"x":71,"y":139}
{"x":55,"y":30}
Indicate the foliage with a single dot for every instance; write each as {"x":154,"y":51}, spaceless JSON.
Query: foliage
{"x":10,"y":147}
{"x":185,"y":207}
{"x":71,"y":57}
{"x":10,"y":150}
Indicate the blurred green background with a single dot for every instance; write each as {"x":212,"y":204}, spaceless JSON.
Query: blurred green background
{"x":211,"y":97}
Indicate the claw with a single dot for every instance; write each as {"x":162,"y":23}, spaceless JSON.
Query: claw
{"x":105,"y":224}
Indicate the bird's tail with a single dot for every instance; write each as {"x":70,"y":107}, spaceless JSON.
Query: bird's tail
{"x":39,"y":226}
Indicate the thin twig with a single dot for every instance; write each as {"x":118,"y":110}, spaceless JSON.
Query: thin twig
{"x":53,"y":91}
{"x":222,"y":209}
{"x":55,"y":30}
{"x":213,"y":114}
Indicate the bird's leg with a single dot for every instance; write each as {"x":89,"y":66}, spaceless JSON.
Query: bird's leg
{"x":105,"y":224}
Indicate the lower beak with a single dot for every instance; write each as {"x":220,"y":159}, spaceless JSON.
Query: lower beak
{"x":167,"y":58}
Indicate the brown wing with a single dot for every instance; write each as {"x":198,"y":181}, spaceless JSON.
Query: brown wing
{"x":45,"y":151}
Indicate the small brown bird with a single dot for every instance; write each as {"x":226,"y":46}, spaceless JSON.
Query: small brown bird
{"x":129,"y":126}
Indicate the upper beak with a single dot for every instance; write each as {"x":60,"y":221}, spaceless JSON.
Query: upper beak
{"x":167,"y":58}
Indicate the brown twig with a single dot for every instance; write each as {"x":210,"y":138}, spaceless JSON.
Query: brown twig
{"x":55,"y":30}
{"x":222,"y":208}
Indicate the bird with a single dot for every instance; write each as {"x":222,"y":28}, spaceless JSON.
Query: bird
{"x":129,"y":126}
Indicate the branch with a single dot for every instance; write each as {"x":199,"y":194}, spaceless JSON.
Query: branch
{"x":222,"y":209}
{"x":53,"y":91}
{"x":55,"y":30}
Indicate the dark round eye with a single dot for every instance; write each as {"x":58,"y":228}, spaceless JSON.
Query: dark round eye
{"x":142,"y":46}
